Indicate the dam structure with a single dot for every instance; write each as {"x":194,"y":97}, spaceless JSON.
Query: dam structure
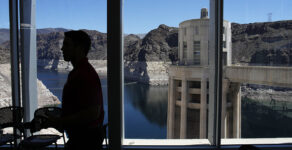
{"x":188,"y":93}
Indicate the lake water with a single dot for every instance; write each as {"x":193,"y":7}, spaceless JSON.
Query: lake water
{"x":145,"y":110}
{"x":145,"y":107}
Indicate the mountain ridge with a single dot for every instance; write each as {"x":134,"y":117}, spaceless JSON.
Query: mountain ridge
{"x":265,"y":43}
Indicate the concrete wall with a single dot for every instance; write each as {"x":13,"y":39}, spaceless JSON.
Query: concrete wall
{"x":188,"y":104}
{"x":198,"y":30}
{"x":274,"y":76}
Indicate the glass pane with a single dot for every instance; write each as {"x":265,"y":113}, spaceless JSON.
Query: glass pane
{"x":5,"y":74}
{"x":5,"y":65}
{"x":256,"y":83}
{"x":164,"y":87}
{"x":53,"y":19}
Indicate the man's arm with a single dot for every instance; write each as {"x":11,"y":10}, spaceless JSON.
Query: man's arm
{"x":84,"y":116}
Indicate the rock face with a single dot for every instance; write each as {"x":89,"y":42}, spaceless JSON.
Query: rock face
{"x":149,"y":72}
{"x":266,"y":93}
{"x":147,"y":59}
{"x":252,"y":44}
{"x":159,"y":45}
{"x":49,"y":45}
{"x":264,"y":43}
{"x":132,"y":47}
{"x":5,"y":35}
{"x":4,"y":55}
{"x":45,"y":97}
{"x":267,"y":43}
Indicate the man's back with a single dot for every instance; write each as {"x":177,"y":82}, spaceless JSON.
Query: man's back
{"x":82,"y":104}
{"x":82,"y":90}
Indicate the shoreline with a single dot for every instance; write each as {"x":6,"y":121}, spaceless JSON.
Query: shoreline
{"x":152,"y":73}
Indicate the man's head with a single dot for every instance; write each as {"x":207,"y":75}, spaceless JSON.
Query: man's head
{"x":75,"y":44}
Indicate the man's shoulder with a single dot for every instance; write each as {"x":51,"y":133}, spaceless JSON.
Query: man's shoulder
{"x":88,"y":73}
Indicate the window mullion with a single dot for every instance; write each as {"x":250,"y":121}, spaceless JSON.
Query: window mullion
{"x":14,"y":53}
{"x":215,"y":69}
{"x":220,"y":69}
{"x":115,"y":73}
{"x":28,"y":58}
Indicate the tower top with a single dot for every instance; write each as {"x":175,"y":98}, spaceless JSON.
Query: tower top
{"x":204,"y":13}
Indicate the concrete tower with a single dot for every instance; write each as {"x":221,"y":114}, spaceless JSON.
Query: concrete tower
{"x":204,"y":13}
{"x":188,"y":94}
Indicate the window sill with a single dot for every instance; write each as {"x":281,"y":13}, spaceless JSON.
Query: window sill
{"x":256,"y":141}
{"x":186,"y":142}
{"x":165,"y":142}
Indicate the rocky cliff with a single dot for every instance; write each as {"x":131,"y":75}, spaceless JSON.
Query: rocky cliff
{"x":158,"y":45}
{"x":146,"y":59}
{"x":45,"y":97}
{"x":49,"y":45}
{"x":266,"y":43}
{"x":4,"y":55}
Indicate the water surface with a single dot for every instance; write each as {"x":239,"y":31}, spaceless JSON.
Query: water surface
{"x":145,"y":107}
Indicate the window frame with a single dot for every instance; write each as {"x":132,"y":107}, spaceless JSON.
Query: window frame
{"x":197,"y":52}
{"x":185,"y":49}
{"x":14,"y":60}
{"x":215,"y":139}
{"x":115,"y":77}
{"x":196,"y":31}
{"x":115,"y":73}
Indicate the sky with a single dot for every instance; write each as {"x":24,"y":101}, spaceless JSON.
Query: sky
{"x":142,"y":16}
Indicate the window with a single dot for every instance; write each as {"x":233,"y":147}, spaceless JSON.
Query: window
{"x":147,"y":58}
{"x":52,"y":20}
{"x":185,"y":50}
{"x":5,"y":58}
{"x":257,"y":94}
{"x":224,"y":44}
{"x":186,"y":89}
{"x":197,"y":46}
{"x":224,"y":57}
{"x":9,"y":78}
{"x":196,"y":52}
{"x":196,"y":30}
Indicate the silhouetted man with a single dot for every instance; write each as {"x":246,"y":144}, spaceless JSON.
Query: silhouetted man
{"x":82,"y":103}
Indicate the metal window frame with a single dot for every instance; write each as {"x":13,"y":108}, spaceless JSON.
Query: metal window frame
{"x":215,"y":70}
{"x":115,"y":73}
{"x":14,"y":54}
{"x":116,"y":76}
{"x":28,"y":58}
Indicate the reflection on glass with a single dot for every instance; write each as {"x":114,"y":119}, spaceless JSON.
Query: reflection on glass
{"x":260,"y":69}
